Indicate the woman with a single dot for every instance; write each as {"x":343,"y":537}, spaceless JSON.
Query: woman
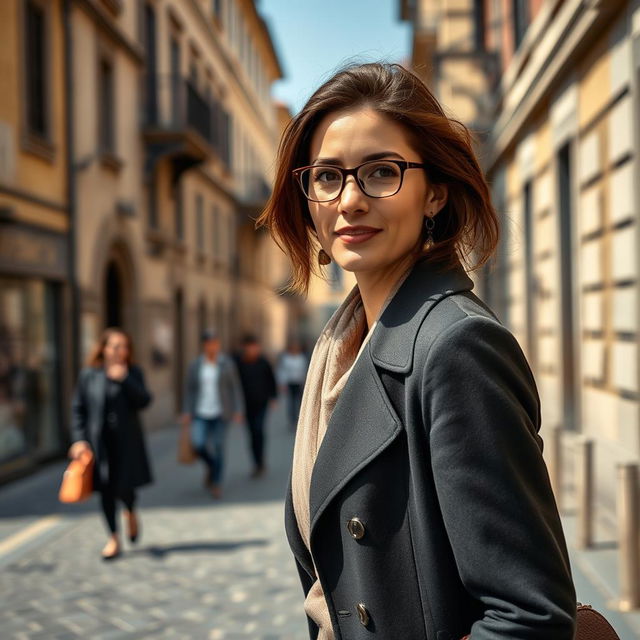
{"x":109,"y":394}
{"x":419,"y":503}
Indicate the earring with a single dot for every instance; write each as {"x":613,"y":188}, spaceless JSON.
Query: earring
{"x":323,"y":258}
{"x":429,"y":224}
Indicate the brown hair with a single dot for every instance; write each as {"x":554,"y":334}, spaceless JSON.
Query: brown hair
{"x":96,"y":358}
{"x":467,"y":223}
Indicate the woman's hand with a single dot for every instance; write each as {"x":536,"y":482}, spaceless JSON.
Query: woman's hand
{"x":117,"y":371}
{"x":78,"y":448}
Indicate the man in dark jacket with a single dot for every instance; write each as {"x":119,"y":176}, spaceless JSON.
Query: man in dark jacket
{"x":213,"y":397}
{"x":259,"y":386}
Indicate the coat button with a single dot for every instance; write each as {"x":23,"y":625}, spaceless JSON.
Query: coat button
{"x":356,"y":528}
{"x":112,"y":417}
{"x":363,"y":614}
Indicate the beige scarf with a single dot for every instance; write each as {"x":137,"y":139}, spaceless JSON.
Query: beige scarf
{"x":339,"y":346}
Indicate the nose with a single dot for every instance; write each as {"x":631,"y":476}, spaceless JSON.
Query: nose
{"x":352,"y":197}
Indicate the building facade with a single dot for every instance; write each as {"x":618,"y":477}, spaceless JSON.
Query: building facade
{"x":561,"y":155}
{"x":165,"y":107}
{"x":34,"y":233}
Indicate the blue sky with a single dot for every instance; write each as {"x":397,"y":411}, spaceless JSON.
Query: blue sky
{"x":314,"y":37}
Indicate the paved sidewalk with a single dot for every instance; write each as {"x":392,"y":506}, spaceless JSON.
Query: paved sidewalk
{"x":203,"y":569}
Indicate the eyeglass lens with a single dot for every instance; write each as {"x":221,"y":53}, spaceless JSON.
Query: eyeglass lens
{"x":376,"y":179}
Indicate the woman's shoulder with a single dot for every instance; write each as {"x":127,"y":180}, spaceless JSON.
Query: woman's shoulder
{"x":458,"y":321}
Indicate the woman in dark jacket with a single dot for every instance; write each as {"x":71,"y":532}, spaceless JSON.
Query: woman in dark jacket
{"x":419,"y":504}
{"x":109,"y":394}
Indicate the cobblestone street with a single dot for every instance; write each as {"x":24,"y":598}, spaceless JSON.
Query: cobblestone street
{"x":203,"y":569}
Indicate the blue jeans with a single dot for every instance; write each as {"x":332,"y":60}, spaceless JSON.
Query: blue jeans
{"x":203,"y":432}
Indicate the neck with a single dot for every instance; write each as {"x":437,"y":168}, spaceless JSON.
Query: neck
{"x":375,"y":286}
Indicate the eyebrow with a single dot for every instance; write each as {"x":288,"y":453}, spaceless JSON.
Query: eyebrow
{"x":372,"y":156}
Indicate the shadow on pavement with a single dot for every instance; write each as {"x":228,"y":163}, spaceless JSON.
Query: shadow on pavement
{"x":160,"y":553}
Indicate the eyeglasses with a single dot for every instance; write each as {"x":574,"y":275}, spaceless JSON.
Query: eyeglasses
{"x":376,"y":179}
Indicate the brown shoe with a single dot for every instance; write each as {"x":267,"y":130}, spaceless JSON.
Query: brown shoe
{"x":216,"y":491}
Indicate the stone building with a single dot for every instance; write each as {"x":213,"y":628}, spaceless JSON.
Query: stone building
{"x":35,"y":269}
{"x":558,"y":137}
{"x":135,"y":156}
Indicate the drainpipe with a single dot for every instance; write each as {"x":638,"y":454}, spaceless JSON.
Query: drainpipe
{"x":71,"y":190}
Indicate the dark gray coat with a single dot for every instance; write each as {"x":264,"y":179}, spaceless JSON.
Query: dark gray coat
{"x":87,"y":418}
{"x":229,"y":387}
{"x":434,"y":446}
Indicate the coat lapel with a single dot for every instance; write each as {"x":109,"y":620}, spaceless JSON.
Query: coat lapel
{"x":362,"y":425}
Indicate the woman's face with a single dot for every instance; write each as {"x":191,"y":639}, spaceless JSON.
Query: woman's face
{"x":359,"y":232}
{"x":116,"y":349}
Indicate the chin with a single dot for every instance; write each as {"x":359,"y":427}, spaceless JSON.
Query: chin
{"x":354,"y":263}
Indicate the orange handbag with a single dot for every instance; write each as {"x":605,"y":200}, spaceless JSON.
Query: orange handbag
{"x":77,"y":481}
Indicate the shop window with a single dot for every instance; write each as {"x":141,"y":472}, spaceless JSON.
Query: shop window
{"x":30,"y":426}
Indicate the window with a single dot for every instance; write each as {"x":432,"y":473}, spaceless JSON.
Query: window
{"x":200,"y":223}
{"x":106,"y":107}
{"x":479,"y":21}
{"x":179,"y":221}
{"x":520,"y":16}
{"x":35,"y":69}
{"x":151,"y":88}
{"x":215,"y":215}
{"x":231,"y":249}
{"x":174,"y":48}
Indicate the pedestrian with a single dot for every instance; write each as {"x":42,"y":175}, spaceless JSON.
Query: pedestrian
{"x":108,"y":397}
{"x":260,"y":391}
{"x":419,"y":504}
{"x":292,"y":372}
{"x":213,"y":398}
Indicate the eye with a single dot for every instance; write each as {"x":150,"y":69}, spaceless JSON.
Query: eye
{"x":326,"y":175}
{"x":381,"y":171}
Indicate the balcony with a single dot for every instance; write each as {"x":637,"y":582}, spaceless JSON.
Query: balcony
{"x":180,"y":123}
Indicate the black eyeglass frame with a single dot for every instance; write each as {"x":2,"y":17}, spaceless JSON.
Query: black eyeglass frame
{"x":403,"y":165}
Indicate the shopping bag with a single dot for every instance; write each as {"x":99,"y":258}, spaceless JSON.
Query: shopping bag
{"x":77,"y":481}
{"x":186,"y":454}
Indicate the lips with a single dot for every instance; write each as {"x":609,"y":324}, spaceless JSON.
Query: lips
{"x":354,"y":235}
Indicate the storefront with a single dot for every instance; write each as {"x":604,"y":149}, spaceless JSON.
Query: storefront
{"x":32,"y":284}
